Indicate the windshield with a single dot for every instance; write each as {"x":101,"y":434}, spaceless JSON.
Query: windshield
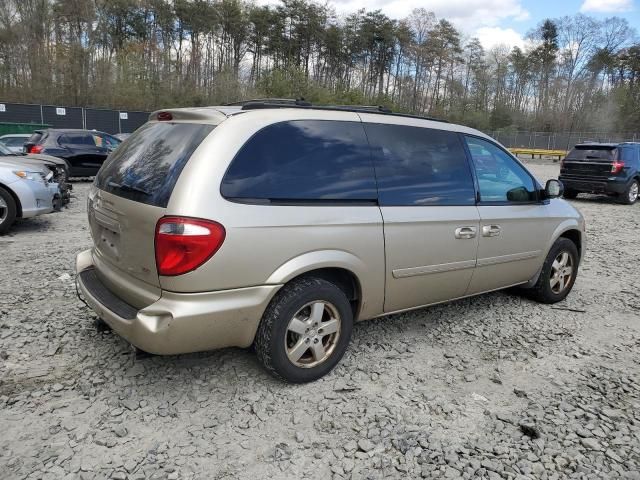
{"x":4,"y":150}
{"x":14,"y":141}
{"x":146,"y":166}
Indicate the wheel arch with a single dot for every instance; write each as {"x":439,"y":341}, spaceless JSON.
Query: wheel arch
{"x":575,"y":236}
{"x":338,"y":267}
{"x":569,"y":229}
{"x":15,"y":199}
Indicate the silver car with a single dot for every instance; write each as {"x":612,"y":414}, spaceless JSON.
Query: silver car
{"x":15,"y":141}
{"x":279,"y":226}
{"x":25,"y":191}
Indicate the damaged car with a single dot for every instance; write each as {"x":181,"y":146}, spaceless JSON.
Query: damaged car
{"x":26,"y":190}
{"x":58,"y":167}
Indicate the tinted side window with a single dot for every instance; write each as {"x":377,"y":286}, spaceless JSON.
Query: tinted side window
{"x":630,"y":154}
{"x":420,"y":166}
{"x":500,"y":177}
{"x":76,"y":139}
{"x":303,"y":160}
{"x":110,"y":142}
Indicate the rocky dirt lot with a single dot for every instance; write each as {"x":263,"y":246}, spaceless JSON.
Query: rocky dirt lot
{"x":489,"y":387}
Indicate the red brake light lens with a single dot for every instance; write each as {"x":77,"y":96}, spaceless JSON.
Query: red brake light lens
{"x":617,"y":166}
{"x":183,"y":244}
{"x":36,"y":149}
{"x":165,"y":116}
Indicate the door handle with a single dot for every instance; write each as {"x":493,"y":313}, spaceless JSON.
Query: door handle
{"x":465,"y":232}
{"x":491,"y":230}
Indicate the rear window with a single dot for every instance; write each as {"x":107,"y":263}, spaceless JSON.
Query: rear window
{"x":13,"y":141}
{"x":303,"y":161}
{"x":592,"y":153}
{"x":146,"y":167}
{"x":35,"y":138}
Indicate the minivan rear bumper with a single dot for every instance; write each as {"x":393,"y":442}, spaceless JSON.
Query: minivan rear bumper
{"x":590,"y":185}
{"x":178,"y":322}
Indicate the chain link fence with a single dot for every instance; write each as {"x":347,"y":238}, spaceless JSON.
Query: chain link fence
{"x":559,"y":140}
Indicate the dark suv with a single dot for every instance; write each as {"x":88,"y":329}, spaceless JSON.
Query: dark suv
{"x":84,"y":150}
{"x":608,"y":168}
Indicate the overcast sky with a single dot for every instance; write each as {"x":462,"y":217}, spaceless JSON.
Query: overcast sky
{"x":496,"y":21}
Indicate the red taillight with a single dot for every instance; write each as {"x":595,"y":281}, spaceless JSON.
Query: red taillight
{"x":36,"y":149}
{"x":183,"y":244}
{"x":165,"y":116}
{"x":617,"y":166}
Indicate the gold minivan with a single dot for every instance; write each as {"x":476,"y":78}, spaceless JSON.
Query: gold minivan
{"x":279,"y":225}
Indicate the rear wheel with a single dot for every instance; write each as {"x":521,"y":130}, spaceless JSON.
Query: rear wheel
{"x":8,"y":210}
{"x":305,"y":330}
{"x":630,"y":196}
{"x":570,"y":194}
{"x":558,"y":273}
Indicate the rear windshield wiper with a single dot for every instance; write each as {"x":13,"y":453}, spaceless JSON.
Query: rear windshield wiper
{"x":128,"y":188}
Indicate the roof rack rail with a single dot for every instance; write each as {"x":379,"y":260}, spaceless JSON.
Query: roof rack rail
{"x":371,"y":108}
{"x":301,"y":103}
{"x":277,"y":101}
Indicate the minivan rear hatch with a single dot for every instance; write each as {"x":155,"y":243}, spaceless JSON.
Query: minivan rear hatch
{"x":589,"y":161}
{"x":133,"y":189}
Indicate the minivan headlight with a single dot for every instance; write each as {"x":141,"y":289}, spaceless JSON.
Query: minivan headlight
{"x":26,"y":175}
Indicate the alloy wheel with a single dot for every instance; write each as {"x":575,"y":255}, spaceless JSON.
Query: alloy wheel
{"x":312,"y":334}
{"x":4,"y":210}
{"x":561,"y":272}
{"x":633,"y":192}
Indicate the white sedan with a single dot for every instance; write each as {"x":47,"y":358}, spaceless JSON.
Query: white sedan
{"x":15,"y":141}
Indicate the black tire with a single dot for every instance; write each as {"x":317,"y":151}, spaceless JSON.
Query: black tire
{"x":628,"y":198}
{"x":542,"y":291}
{"x":9,"y":216}
{"x":570,"y":194}
{"x":273,"y":329}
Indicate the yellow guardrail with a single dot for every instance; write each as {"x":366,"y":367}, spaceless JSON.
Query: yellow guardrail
{"x":538,"y":151}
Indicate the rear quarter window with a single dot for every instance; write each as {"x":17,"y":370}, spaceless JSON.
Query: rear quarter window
{"x":303,"y":160}
{"x":630,"y":154}
{"x":146,"y":167}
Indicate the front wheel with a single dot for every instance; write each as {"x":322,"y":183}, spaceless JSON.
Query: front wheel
{"x":305,"y":330}
{"x":558,"y":273}
{"x":630,"y":196}
{"x":8,"y":211}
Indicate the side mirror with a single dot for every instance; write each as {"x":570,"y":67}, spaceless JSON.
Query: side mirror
{"x":553,"y":188}
{"x":518,"y":194}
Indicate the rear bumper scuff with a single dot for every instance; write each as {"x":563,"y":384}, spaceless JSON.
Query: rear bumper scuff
{"x":178,"y":322}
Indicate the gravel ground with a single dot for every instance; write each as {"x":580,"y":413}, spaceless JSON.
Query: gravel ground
{"x":488,"y":387}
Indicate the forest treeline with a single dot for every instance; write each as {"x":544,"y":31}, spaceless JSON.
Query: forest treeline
{"x":575,"y":74}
